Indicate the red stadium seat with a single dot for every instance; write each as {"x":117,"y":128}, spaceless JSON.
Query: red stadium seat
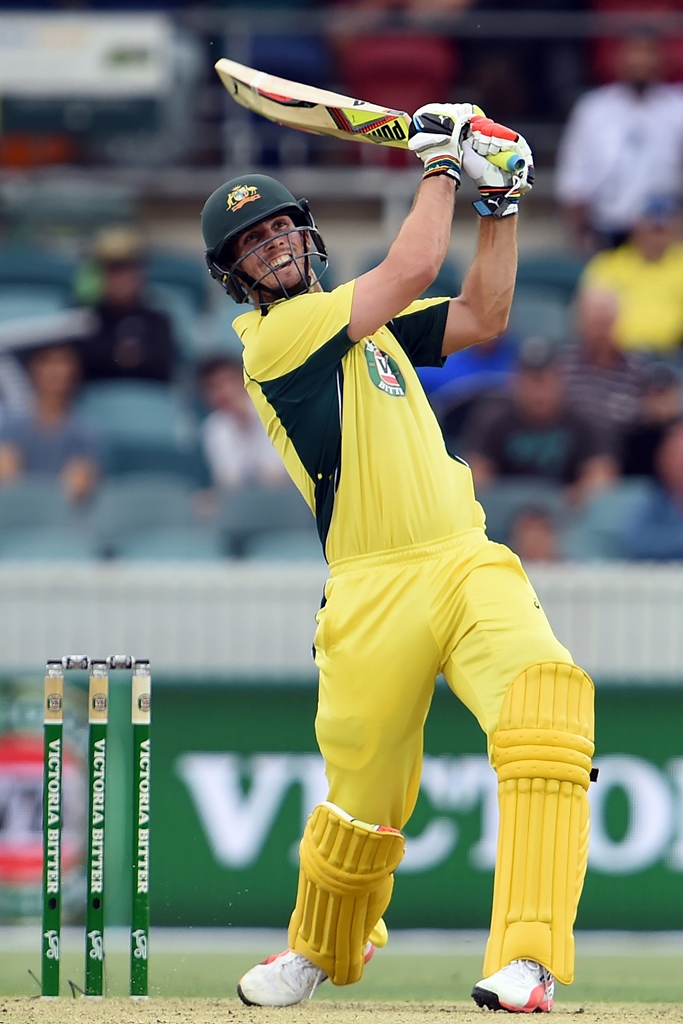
{"x":604,"y":59}
{"x":397,"y":71}
{"x":640,"y":14}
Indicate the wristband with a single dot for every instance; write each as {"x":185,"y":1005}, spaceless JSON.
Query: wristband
{"x":444,"y":164}
{"x":497,"y":202}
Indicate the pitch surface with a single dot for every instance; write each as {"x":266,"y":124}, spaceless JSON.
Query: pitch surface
{"x":230,"y":1011}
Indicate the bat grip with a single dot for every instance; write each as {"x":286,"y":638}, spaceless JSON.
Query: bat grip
{"x":508,"y":161}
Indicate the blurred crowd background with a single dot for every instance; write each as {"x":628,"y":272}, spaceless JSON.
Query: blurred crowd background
{"x":125,"y":431}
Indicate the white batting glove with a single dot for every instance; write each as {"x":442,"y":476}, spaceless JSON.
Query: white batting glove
{"x":435,"y":136}
{"x":500,"y":183}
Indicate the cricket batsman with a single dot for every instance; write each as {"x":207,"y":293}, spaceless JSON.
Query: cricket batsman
{"x":415,"y":587}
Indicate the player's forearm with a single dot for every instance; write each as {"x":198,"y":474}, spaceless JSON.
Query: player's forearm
{"x":422,"y":242}
{"x":490,"y":282}
{"x":412,"y":263}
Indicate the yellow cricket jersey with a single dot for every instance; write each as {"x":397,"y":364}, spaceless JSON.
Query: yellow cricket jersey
{"x":650,"y":294}
{"x":353,"y":424}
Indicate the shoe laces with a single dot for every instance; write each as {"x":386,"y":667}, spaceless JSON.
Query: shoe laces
{"x":541,"y":974}
{"x":298,"y":972}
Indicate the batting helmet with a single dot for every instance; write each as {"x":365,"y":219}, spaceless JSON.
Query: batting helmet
{"x":239,"y":204}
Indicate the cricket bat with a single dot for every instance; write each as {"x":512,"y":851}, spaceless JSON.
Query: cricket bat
{"x":321,"y":112}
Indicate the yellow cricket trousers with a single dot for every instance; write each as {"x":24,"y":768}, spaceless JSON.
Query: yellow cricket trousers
{"x":391,"y":623}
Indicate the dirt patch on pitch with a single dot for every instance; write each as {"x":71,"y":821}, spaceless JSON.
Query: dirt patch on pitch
{"x":231,"y":1011}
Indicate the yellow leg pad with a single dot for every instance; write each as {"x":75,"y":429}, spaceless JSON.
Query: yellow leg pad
{"x":345,"y":884}
{"x":542,"y":753}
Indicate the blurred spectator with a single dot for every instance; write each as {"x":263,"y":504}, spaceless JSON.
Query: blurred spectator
{"x":386,"y":55}
{"x":535,"y":432}
{"x":654,"y":531}
{"x":536,"y":536}
{"x":51,"y":439}
{"x":622,"y":142}
{"x":131,"y":338}
{"x":236,"y":447}
{"x":466,"y":378}
{"x":646,"y":275}
{"x":661,"y":404}
{"x":622,"y":391}
{"x":603,"y":382}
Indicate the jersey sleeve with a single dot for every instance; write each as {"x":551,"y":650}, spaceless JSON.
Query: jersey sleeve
{"x":295,"y":330}
{"x":419,"y":330}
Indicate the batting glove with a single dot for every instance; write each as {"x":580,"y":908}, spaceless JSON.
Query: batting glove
{"x":501,"y":165}
{"x":435,"y":136}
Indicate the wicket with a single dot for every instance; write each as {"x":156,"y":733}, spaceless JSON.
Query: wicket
{"x":98,"y":711}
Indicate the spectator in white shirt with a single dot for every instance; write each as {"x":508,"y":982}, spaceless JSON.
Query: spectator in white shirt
{"x":622,"y":144}
{"x":236,"y":447}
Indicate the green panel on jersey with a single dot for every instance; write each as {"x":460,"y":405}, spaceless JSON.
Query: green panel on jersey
{"x":308,"y":403}
{"x":420,"y":334}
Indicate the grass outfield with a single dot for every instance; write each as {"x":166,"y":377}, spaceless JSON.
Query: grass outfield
{"x":393,"y":976}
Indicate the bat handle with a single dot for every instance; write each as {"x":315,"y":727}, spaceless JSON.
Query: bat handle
{"x":508,"y":161}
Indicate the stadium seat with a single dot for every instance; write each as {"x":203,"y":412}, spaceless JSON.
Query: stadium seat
{"x":294,"y":545}
{"x":537,"y":312}
{"x":447,"y":284}
{"x":184,"y":273}
{"x":504,"y":500}
{"x":37,"y":521}
{"x":144,"y":426}
{"x":20,"y":301}
{"x":134,"y":410}
{"x":639,"y":15}
{"x":253,"y":509}
{"x":555,"y":274}
{"x":304,"y":58}
{"x":171,"y":544}
{"x":39,"y":269}
{"x":178,"y":306}
{"x":215,"y":333}
{"x":48,"y":544}
{"x":125,"y":460}
{"x":132,"y":505}
{"x":595,"y":533}
{"x":34,"y":502}
{"x":399,"y":70}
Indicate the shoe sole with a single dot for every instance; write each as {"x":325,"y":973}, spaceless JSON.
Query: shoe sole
{"x":247,"y":1002}
{"x":489,"y":1000}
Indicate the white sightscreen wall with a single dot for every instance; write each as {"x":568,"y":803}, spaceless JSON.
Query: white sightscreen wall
{"x":619,"y":621}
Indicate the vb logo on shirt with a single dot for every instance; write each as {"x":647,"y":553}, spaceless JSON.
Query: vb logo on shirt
{"x":384,"y":371}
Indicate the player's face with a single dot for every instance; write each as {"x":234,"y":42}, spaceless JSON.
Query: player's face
{"x":273,"y":253}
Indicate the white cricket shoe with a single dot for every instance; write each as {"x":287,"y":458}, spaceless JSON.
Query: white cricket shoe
{"x":524,"y":986}
{"x":284,"y":979}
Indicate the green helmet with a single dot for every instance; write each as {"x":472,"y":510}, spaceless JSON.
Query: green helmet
{"x":236,"y":206}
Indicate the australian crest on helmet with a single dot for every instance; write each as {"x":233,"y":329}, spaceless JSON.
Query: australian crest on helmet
{"x":240,"y":195}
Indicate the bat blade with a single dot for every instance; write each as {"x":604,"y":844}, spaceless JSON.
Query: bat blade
{"x":317,"y":111}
